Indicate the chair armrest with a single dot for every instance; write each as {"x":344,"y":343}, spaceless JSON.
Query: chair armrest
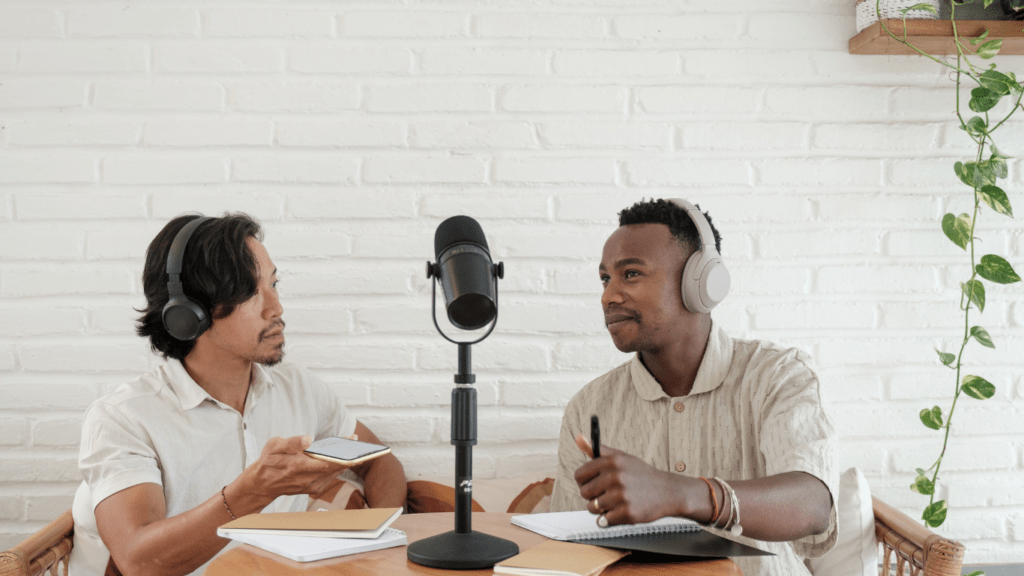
{"x":914,"y":544}
{"x":41,"y":550}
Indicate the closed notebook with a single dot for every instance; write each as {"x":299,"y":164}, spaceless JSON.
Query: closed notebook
{"x":365,"y":523}
{"x":307,"y":549}
{"x":553,"y":558}
{"x":582,"y":525}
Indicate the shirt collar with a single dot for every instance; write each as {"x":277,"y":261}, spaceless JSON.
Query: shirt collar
{"x":714,"y":366}
{"x":190,"y":394}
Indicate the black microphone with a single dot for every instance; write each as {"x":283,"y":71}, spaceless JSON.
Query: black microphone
{"x":466,"y":272}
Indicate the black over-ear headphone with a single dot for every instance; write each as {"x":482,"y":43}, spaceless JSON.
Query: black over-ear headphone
{"x":183,"y":317}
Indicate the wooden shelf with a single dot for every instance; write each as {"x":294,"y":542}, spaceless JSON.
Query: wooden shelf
{"x":936,"y":36}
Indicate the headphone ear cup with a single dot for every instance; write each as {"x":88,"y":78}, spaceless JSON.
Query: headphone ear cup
{"x":691,"y":285}
{"x":184,"y":318}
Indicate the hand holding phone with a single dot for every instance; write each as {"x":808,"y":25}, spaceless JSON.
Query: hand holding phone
{"x":345,"y":451}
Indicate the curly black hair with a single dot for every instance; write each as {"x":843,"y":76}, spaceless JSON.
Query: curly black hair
{"x":679,"y":223}
{"x":218,"y":271}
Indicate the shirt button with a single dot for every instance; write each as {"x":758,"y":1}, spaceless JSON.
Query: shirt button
{"x":679,"y":406}
{"x":680,"y":467}
{"x":245,"y":426}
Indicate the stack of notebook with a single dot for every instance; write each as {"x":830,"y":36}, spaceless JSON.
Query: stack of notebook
{"x":308,"y":536}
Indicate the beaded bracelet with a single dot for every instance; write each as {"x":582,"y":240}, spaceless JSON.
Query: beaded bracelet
{"x":224,"y":499}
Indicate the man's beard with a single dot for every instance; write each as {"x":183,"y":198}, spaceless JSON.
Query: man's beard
{"x":277,"y":354}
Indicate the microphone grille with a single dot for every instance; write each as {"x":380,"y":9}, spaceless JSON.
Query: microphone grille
{"x":458,"y":229}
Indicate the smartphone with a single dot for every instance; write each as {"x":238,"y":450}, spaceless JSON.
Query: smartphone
{"x":345,"y":451}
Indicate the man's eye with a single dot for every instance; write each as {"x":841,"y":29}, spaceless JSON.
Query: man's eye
{"x":605,"y":278}
{"x":632,"y":273}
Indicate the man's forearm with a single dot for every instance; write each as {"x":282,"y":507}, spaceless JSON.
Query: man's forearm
{"x":384,"y":483}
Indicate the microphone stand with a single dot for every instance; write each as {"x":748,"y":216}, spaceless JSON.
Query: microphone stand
{"x":463,"y":549}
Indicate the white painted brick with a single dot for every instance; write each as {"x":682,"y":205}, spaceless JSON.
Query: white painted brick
{"x":7,"y":361}
{"x":987,"y":418}
{"x":769,"y":280}
{"x":815,"y":315}
{"x":64,"y":169}
{"x":32,"y":23}
{"x":873,"y":352}
{"x":341,"y":134}
{"x":544,"y":394}
{"x":916,"y":315}
{"x":217,"y":57}
{"x":42,"y":468}
{"x":839,"y":66}
{"x":164,"y":169}
{"x":877,"y":207}
{"x":577,"y":135}
{"x":349,"y":204}
{"x":37,"y":321}
{"x":11,"y":507}
{"x":411,"y":394}
{"x":82,"y":358}
{"x":44,"y":94}
{"x":562,"y":318}
{"x":503,"y":206}
{"x":809,"y":102}
{"x":771,"y":136}
{"x":294,"y":168}
{"x":876,"y":137}
{"x":453,"y":97}
{"x":178,"y":95}
{"x":305,"y":244}
{"x":8,"y":59}
{"x":564,"y":242}
{"x":32,"y":242}
{"x":401,"y":318}
{"x":258,"y":21}
{"x":57,"y":432}
{"x":718,"y":27}
{"x":688,"y":172}
{"x":46,"y":508}
{"x":132,"y":21}
{"x":1017,"y":314}
{"x":962,"y":454}
{"x":820,"y":172}
{"x":494,"y":354}
{"x":696,"y":100}
{"x":975,"y":525}
{"x":80,"y":57}
{"x":817,"y":31}
{"x":925,"y":173}
{"x":401,"y":429}
{"x":563,"y":98}
{"x":205,"y":131}
{"x":264,"y":206}
{"x":922,"y":243}
{"x":433,"y":169}
{"x":294,"y":96}
{"x":616,"y":63}
{"x":13,"y":432}
{"x":66,"y":279}
{"x":867,"y":456}
{"x":880,"y":279}
{"x":72,"y":132}
{"x":847,"y":388}
{"x":516,"y":428}
{"x":349,"y":280}
{"x":716,"y":63}
{"x":402,"y":24}
{"x":326,"y":58}
{"x":555,"y":170}
{"x":753,"y":208}
{"x":601,"y":208}
{"x":541,"y":25}
{"x":352,"y":357}
{"x":926,"y":103}
{"x":483,"y":61}
{"x":828,"y":242}
{"x":461,"y":135}
{"x":412,"y":238}
{"x":118,"y":320}
{"x":880,"y":421}
{"x":588,"y":356}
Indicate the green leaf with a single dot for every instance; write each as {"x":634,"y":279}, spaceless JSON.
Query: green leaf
{"x":999,"y":167}
{"x":922,"y":6}
{"x":998,"y":82}
{"x":982,"y":36}
{"x":977,"y":573}
{"x":984,"y":174}
{"x":958,"y":230}
{"x":977,"y":387}
{"x":983,"y":99}
{"x":996,"y":269}
{"x":976,"y":126}
{"x":975,"y":292}
{"x":946,"y":358}
{"x":923,"y":485}
{"x":989,"y":49}
{"x":996,"y":198}
{"x":935,"y":514}
{"x":921,"y":471}
{"x":932,"y":418}
{"x":996,"y":153}
{"x":981,"y":335}
{"x":963,"y":173}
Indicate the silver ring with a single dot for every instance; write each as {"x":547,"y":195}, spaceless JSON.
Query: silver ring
{"x":602,"y":521}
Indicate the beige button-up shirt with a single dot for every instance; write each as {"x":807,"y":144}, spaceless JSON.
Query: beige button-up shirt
{"x":163,"y":428}
{"x":755,"y":410}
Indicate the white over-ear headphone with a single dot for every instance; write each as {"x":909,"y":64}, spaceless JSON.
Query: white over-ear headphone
{"x":706,"y":280}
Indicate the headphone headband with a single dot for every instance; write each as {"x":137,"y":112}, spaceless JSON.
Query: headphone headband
{"x":184,"y":318}
{"x":177,"y":252}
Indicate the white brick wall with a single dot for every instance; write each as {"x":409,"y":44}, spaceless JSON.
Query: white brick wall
{"x":352,"y":129}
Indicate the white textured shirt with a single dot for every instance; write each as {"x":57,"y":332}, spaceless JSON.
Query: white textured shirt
{"x":163,"y":428}
{"x":755,"y":410}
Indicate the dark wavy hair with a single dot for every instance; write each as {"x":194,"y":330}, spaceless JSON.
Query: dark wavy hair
{"x":218,"y":271}
{"x":678,"y":221}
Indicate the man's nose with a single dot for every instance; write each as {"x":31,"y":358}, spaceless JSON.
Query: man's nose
{"x":611,"y":294}
{"x":273,"y":306}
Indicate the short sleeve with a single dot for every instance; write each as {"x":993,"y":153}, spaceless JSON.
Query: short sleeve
{"x":565,"y":495}
{"x":798,"y":435}
{"x":333,"y":418}
{"x":115,"y":454}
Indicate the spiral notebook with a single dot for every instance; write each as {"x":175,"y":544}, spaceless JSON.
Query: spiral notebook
{"x":582,"y":525}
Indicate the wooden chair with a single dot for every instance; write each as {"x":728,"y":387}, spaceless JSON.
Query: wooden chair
{"x":918,"y":551}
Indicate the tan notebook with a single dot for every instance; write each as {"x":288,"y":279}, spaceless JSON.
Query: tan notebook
{"x":554,"y":558}
{"x":366,"y":523}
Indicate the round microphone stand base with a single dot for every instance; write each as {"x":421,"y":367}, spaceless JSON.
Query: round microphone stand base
{"x":456,"y":551}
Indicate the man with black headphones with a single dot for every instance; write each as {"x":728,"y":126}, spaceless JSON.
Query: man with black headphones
{"x":729,"y":433}
{"x":217,"y":432}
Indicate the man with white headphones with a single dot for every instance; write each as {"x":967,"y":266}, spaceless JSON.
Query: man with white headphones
{"x":730,"y":433}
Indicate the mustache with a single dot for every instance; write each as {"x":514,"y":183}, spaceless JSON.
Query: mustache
{"x":274,"y":326}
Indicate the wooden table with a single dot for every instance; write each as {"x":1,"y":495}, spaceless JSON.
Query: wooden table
{"x":246,"y":559}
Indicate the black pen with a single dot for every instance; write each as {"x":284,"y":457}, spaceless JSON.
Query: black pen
{"x":595,"y":436}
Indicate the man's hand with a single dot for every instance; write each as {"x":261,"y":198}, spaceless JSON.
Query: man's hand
{"x":283,"y":469}
{"x":624,"y":488}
